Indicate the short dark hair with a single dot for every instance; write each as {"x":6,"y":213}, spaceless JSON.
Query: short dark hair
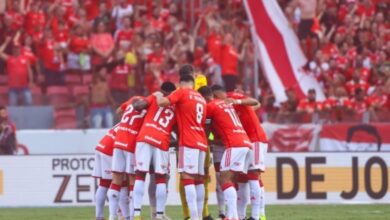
{"x":205,"y":91}
{"x":187,"y":78}
{"x":168,"y":86}
{"x":2,"y":107}
{"x":217,"y":87}
{"x":312,"y":91}
{"x":186,"y":69}
{"x":358,"y":91}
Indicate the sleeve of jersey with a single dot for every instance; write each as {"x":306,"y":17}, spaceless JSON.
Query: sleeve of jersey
{"x":124,"y":105}
{"x":236,"y":95}
{"x":175,"y":97}
{"x":150,"y":99}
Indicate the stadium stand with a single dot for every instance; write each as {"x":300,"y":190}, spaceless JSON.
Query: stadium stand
{"x":345,"y":41}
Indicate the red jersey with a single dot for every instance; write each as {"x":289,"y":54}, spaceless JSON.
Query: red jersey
{"x":124,"y":35}
{"x":17,"y":20}
{"x":359,"y":106}
{"x":214,"y":43}
{"x":119,"y":78}
{"x":229,"y":60}
{"x":17,"y":68}
{"x":35,"y":21}
{"x":226,"y":123}
{"x":158,"y":124}
{"x":92,"y":8}
{"x":78,"y":44}
{"x":129,"y":127}
{"x":49,"y":55}
{"x":157,"y":58}
{"x":309,"y":106}
{"x":27,"y":52}
{"x":191,"y":118}
{"x":106,"y":144}
{"x":352,"y":86}
{"x":249,"y":120}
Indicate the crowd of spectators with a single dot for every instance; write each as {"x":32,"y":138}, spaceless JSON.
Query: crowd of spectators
{"x":347,"y":43}
{"x":131,"y":46}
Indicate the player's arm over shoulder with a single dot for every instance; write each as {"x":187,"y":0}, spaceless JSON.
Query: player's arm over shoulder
{"x":241,"y":99}
{"x":141,"y":104}
{"x":161,"y":100}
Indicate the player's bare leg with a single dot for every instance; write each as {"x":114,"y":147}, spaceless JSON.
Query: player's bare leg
{"x":100,"y":197}
{"x":114,"y":193}
{"x":230,"y":194}
{"x":191,"y":194}
{"x":242,"y":195}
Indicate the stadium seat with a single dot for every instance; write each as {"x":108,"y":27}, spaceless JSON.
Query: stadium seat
{"x":65,"y":119}
{"x":3,"y":95}
{"x":87,"y":78}
{"x":3,"y":80}
{"x":72,"y":79}
{"x":38,"y":98}
{"x":80,"y":93}
{"x":59,"y":96}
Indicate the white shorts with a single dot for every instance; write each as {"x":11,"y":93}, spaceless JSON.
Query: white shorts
{"x":123,"y":161}
{"x":191,"y":161}
{"x":102,"y":167}
{"x":258,"y":153}
{"x":218,"y":153}
{"x":147,"y":155}
{"x":236,"y":159}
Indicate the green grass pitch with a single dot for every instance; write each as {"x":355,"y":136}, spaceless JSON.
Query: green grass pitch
{"x":274,"y":212}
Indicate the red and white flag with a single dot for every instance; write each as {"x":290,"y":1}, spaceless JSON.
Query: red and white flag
{"x":292,"y":138}
{"x":279,"y":50}
{"x":355,"y":137}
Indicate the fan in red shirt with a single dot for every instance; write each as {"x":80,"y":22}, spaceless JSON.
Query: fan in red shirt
{"x":229,"y":63}
{"x":51,"y":60}
{"x":16,"y":16}
{"x":244,"y":107}
{"x":214,"y":43}
{"x":152,"y":149}
{"x":123,"y":155}
{"x":355,"y":83}
{"x":124,"y":35}
{"x":191,"y":117}
{"x":35,"y":19}
{"x":379,"y":99}
{"x":20,"y":77}
{"x":226,"y":123}
{"x":360,"y":102}
{"x":119,"y":84}
{"x":102,"y":168}
{"x":310,"y":105}
{"x":79,"y":46}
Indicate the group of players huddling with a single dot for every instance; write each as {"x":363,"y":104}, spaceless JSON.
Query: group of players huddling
{"x":139,"y":144}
